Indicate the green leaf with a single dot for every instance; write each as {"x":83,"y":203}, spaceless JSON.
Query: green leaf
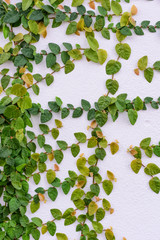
{"x":116,"y":8}
{"x":37,"y":221}
{"x":51,"y":175}
{"x":36,"y":178}
{"x":69,"y":220}
{"x":54,"y":48}
{"x":101,"y":118}
{"x":152,"y":169}
{"x":123,"y":50}
{"x":72,"y":28}
{"x":76,"y":3}
{"x":102,"y":56}
{"x":51,"y":226}
{"x":154,"y":184}
{"x":92,"y":142}
{"x":145,"y":143}
{"x":113,"y":67}
{"x":77,"y":194}
{"x":91,"y":55}
{"x":81,"y":137}
{"x":148,"y":74}
{"x":62,"y":145}
{"x":100,"y":214}
{"x":81,"y":166}
{"x":61,"y":236}
{"x":142,"y":63}
{"x":92,"y":208}
{"x":136,"y":165}
{"x":55,"y":133}
{"x":126,"y":31}
{"x":34,"y":206}
{"x":75,"y":149}
{"x":14,"y":204}
{"x":33,"y":26}
{"x":26,"y":4}
{"x":11,"y":17}
{"x":12,"y":112}
{"x":52,"y":193}
{"x":56,"y":213}
{"x":46,"y":116}
{"x":4,"y":57}
{"x":85,"y":105}
{"x":98,"y":227}
{"x":66,"y":187}
{"x":132,"y":115}
{"x":75,"y":54}
{"x":106,"y":204}
{"x":93,"y":43}
{"x":103,"y":102}
{"x":112,"y":86}
{"x":69,"y":66}
{"x":138,"y":103}
{"x":50,"y":60}
{"x":58,"y":156}
{"x":77,"y":112}
{"x":107,"y":186}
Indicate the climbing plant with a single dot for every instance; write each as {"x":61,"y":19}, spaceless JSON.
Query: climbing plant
{"x":24,"y":154}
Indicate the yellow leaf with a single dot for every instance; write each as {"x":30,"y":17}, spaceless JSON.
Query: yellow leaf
{"x":114,"y":147}
{"x":1,"y":89}
{"x":102,"y":55}
{"x":50,"y":157}
{"x":18,"y":37}
{"x":44,"y":229}
{"x":22,"y":70}
{"x":42,"y":29}
{"x":132,"y":21}
{"x":80,"y":24}
{"x":1,"y":50}
{"x":110,"y":175}
{"x":92,"y":208}
{"x":27,"y":78}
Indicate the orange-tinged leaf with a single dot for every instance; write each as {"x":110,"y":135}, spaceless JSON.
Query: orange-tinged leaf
{"x":60,"y":7}
{"x":93,"y":124}
{"x":99,"y":134}
{"x":111,"y":210}
{"x":7,"y":1}
{"x":41,"y":197}
{"x":56,"y":167}
{"x":77,"y":33}
{"x":132,"y":21}
{"x":136,"y":71}
{"x":92,"y":5}
{"x":134,"y":10}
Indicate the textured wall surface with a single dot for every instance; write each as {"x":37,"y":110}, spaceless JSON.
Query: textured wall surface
{"x":137,"y":208}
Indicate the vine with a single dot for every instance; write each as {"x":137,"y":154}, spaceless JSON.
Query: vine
{"x":24,"y":154}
